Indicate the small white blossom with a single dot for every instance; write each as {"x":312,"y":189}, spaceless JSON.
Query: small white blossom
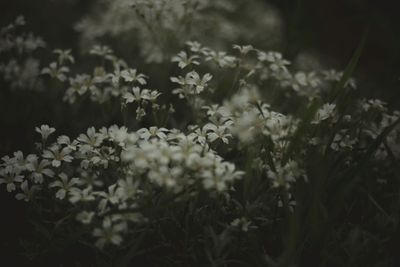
{"x":191,"y":84}
{"x":220,"y":176}
{"x":85,"y":217}
{"x":79,"y":195}
{"x":183,"y":60}
{"x":276,"y":60}
{"x":332,"y":75}
{"x":27,"y":193}
{"x":45,"y":131}
{"x":305,"y":83}
{"x":194,"y":46}
{"x":241,"y":223}
{"x":109,"y":233}
{"x":64,"y":185}
{"x":164,"y":176}
{"x":152,"y":132}
{"x":285,"y":175}
{"x":244,"y":50}
{"x":91,"y":138}
{"x":56,"y":72}
{"x":39,"y":169}
{"x":58,"y":155}
{"x":109,"y":197}
{"x":103,"y":51}
{"x":10,"y":176}
{"x":343,"y":141}
{"x":66,"y":141}
{"x":221,"y":58}
{"x":131,"y":75}
{"x":217,"y":132}
{"x":138,"y":95}
{"x":64,"y":56}
{"x":325,"y":112}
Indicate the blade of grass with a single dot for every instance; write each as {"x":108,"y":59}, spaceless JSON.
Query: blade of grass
{"x":340,"y":91}
{"x":340,"y":88}
{"x":379,"y":207}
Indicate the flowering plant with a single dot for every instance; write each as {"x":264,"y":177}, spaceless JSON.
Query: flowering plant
{"x":230,"y":160}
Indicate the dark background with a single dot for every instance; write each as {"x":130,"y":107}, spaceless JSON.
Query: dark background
{"x":333,"y":28}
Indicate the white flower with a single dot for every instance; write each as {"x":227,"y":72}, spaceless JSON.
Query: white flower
{"x":374,"y":104}
{"x":64,"y":56}
{"x":121,"y":136}
{"x":278,"y":126}
{"x":285,"y":175}
{"x":137,"y":156}
{"x":10,"y":176}
{"x":306,"y":83}
{"x":152,"y":132}
{"x":58,"y":155}
{"x":85,"y":217}
{"x":217,"y":132}
{"x":192,"y":84}
{"x":221,"y":58}
{"x":335,"y":76}
{"x":194,"y":46}
{"x":79,"y":195}
{"x":183,"y":59}
{"x":241,"y":223}
{"x":27,"y":193}
{"x":115,"y":77}
{"x":65,"y":185}
{"x":45,"y":131}
{"x":39,"y":169}
{"x":91,"y":138}
{"x":19,"y":161}
{"x":245,"y":49}
{"x":66,"y":141}
{"x":127,"y":188}
{"x":111,"y":197}
{"x":198,"y":134}
{"x":103,"y":51}
{"x":131,"y":75}
{"x":79,"y":85}
{"x":56,"y":72}
{"x":20,"y":21}
{"x":165,"y":176}
{"x":195,"y":79}
{"x":217,"y":110}
{"x":325,"y":112}
{"x":109,"y":233}
{"x":247,"y":126}
{"x":219,"y":177}
{"x":139,"y":95}
{"x":8,"y":162}
{"x":332,"y":75}
{"x":277,"y":62}
{"x":343,"y":140}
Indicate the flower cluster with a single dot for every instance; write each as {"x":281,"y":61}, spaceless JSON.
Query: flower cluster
{"x":19,"y":67}
{"x":161,"y":26}
{"x":109,"y":170}
{"x":251,"y":110}
{"x":111,"y":79}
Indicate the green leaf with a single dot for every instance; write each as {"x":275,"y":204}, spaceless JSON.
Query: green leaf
{"x":340,"y":88}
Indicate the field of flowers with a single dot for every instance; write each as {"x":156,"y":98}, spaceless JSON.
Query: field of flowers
{"x":178,"y":133}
